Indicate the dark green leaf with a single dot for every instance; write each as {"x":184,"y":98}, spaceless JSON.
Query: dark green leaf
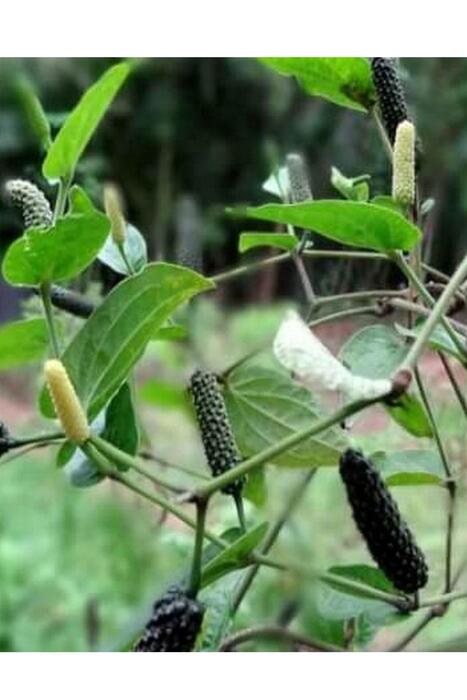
{"x":22,"y":342}
{"x":101,"y":355}
{"x":80,"y":125}
{"x":135,"y":250}
{"x":376,"y":352}
{"x":352,"y":223}
{"x":265,"y":406}
{"x":60,"y":252}
{"x":344,"y":81}
{"x":233,"y":557}
{"x":410,"y":467}
{"x":249,"y":240}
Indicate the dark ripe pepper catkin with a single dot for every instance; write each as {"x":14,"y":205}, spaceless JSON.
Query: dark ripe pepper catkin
{"x":390,"y":93}
{"x":218,"y":440}
{"x":174,"y":625}
{"x":32,"y":203}
{"x":377,"y":516}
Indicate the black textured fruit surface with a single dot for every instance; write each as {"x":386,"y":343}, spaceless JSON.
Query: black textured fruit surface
{"x":174,"y":625}
{"x":391,"y":99}
{"x":377,"y":516}
{"x":218,"y":440}
{"x":32,"y":203}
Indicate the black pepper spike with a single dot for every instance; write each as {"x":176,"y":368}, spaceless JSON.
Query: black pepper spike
{"x":174,"y":625}
{"x":32,"y":203}
{"x":390,"y":93}
{"x":377,"y":516}
{"x":218,"y":440}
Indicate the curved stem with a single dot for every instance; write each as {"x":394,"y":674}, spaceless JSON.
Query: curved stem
{"x":274,"y":632}
{"x":44,"y":291}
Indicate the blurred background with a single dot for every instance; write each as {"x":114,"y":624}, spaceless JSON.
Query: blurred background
{"x":185,"y":139}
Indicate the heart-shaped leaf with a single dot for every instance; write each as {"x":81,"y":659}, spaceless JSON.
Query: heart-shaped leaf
{"x":265,"y":406}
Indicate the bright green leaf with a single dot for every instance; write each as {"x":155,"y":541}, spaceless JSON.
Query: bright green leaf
{"x":265,"y":406}
{"x":376,"y":352}
{"x":60,"y":252}
{"x":344,"y":81}
{"x":113,"y":339}
{"x":172,"y":331}
{"x":356,"y":224}
{"x":234,"y":557}
{"x":250,"y":239}
{"x":255,"y":489}
{"x":410,"y":467}
{"x":81,"y":124}
{"x":22,"y":342}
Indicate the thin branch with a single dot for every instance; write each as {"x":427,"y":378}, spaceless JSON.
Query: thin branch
{"x":275,"y":632}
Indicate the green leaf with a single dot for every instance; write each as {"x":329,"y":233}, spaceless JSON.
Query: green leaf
{"x":80,"y":125}
{"x":265,"y":406}
{"x":233,"y":557}
{"x":255,"y":489}
{"x":410,"y":467}
{"x":165,"y":395}
{"x":117,"y":425}
{"x":344,"y":81}
{"x":108,"y":345}
{"x":383,"y":200}
{"x":353,"y":188}
{"x":336,"y":602}
{"x":22,"y":342}
{"x":217,"y":618}
{"x":250,"y":239}
{"x":352,"y":223}
{"x":135,"y":250}
{"x":439,"y":339}
{"x":376,"y":352}
{"x":60,"y":252}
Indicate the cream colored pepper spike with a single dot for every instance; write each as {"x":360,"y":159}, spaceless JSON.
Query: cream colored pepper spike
{"x":403,"y":172}
{"x":66,"y":402}
{"x":113,"y":209}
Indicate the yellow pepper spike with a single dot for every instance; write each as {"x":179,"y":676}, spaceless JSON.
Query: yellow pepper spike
{"x":403,"y":173}
{"x":113,"y":209}
{"x":66,"y":402}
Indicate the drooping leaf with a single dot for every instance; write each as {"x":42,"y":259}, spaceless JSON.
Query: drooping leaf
{"x":113,"y":339}
{"x":410,"y":467}
{"x":233,"y":557}
{"x":439,"y":339}
{"x":135,"y":250}
{"x":81,"y":123}
{"x":354,"y":188}
{"x":22,"y":342}
{"x":344,"y":81}
{"x":250,"y":239}
{"x":265,"y":406}
{"x":376,"y":352}
{"x":358,"y":224}
{"x":61,"y":251}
